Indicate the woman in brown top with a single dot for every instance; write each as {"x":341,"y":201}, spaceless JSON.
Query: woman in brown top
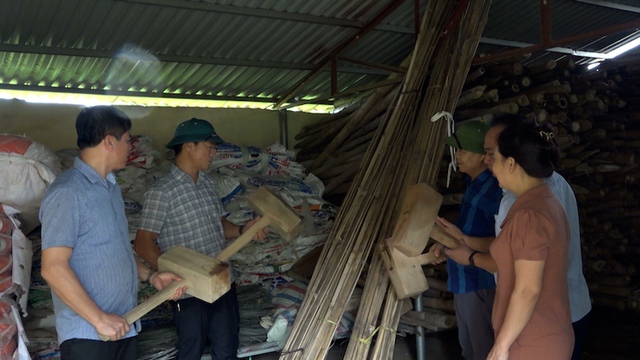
{"x":531,"y":316}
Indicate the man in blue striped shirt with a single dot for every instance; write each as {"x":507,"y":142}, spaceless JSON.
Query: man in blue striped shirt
{"x":473,"y":288}
{"x":87,"y":258}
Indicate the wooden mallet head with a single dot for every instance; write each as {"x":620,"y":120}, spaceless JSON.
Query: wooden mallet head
{"x":194,"y":267}
{"x":283,"y":219}
{"x":402,"y":253}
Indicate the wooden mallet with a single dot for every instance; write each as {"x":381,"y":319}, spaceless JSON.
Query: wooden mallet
{"x":208,"y":278}
{"x":402,"y":253}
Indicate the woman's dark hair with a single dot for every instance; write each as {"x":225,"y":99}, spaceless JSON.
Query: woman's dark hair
{"x":532,"y":146}
{"x":95,"y":123}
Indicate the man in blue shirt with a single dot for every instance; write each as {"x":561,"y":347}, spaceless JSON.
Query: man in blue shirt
{"x":473,"y":288}
{"x":87,"y":258}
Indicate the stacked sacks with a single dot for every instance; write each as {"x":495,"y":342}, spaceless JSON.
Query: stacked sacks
{"x":12,"y":338}
{"x":238,"y":172}
{"x":8,"y":330}
{"x":16,"y":256}
{"x":6,"y":260}
{"x":274,"y":160}
{"x":142,"y":158}
{"x":27,"y":169}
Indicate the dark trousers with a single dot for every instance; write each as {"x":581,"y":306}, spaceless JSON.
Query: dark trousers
{"x":473,"y":314}
{"x":580,"y":332}
{"x":196,"y":321}
{"x":83,"y":349}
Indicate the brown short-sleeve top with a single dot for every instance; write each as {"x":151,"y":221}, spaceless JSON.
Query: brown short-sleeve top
{"x":536,"y":228}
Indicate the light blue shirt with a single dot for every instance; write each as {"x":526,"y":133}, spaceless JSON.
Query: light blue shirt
{"x":85,"y":212}
{"x":578,"y":291}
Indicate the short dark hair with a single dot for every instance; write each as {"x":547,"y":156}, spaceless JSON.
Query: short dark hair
{"x":177,"y":149}
{"x":532,"y":146}
{"x":95,"y":123}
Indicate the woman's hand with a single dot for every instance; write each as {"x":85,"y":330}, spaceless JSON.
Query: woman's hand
{"x":450,"y":228}
{"x":459,"y":254}
{"x":496,"y":354}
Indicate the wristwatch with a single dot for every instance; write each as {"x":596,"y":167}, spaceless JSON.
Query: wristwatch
{"x":471,"y":262}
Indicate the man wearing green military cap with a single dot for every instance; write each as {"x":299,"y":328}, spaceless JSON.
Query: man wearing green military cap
{"x":184,"y":208}
{"x":473,"y":288}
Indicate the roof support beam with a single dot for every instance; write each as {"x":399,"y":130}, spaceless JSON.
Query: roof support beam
{"x":268,"y":14}
{"x":339,"y":49}
{"x":611,"y":5}
{"x":558,"y":49}
{"x":559,"y":42}
{"x":136,"y":94}
{"x":44,"y":50}
{"x":349,"y":91}
{"x":390,"y":69}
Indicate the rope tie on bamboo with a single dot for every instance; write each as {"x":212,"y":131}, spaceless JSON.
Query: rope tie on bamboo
{"x":367,"y":340}
{"x":450,"y":129}
{"x":291,"y":352}
{"x":546,"y":135}
{"x":393,"y":331}
{"x":331,"y":322}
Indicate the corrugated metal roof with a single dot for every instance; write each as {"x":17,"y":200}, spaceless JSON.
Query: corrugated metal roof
{"x":245,"y":49}
{"x":520,"y":22}
{"x":213,"y":49}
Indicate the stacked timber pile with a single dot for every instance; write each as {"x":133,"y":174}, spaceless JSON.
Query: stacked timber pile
{"x":334,"y":148}
{"x":597,"y":125}
{"x":405,"y":149}
{"x":603,"y":164}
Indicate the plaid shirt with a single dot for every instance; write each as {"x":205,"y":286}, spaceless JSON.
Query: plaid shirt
{"x":185,"y":213}
{"x":479,"y":205}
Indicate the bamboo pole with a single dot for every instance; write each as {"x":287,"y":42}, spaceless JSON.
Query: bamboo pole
{"x":372,"y":107}
{"x":364,"y":214}
{"x":425,"y":157}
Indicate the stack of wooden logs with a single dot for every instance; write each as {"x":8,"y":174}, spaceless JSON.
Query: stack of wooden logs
{"x":596,"y":121}
{"x":595,"y":115}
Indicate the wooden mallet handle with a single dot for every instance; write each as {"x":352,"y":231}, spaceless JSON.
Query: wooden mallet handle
{"x":156,"y":299}
{"x":443,"y":237}
{"x":239,"y":243}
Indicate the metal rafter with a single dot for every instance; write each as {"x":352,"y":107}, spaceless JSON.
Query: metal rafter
{"x":338,"y":50}
{"x":547,"y":42}
{"x":267,"y":14}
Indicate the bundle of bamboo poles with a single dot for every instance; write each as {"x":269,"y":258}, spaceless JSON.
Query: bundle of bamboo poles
{"x":447,"y":77}
{"x":406,"y":148}
{"x":366,"y":208}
